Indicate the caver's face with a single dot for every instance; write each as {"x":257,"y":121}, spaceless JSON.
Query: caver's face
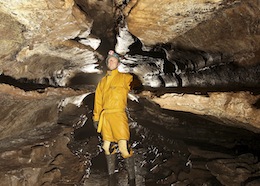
{"x":112,"y":63}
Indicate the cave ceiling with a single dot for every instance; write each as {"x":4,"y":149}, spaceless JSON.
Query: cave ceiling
{"x":206,"y":45}
{"x":195,"y":56}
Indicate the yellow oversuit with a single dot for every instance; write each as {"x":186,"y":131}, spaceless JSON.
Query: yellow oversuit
{"x":110,"y":104}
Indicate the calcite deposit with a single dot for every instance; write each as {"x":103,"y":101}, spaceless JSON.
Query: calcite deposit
{"x":195,"y":117}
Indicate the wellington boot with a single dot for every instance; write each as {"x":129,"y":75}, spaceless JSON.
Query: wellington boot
{"x":112,"y":180}
{"x":130,"y":167}
{"x":132,"y":182}
{"x":111,"y":164}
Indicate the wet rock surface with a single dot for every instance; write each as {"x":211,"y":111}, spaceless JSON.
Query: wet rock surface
{"x":34,"y":144}
{"x":206,"y":51}
{"x":175,"y":148}
{"x":171,"y":147}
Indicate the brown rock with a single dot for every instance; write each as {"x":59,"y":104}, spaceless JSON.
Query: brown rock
{"x":235,"y":109}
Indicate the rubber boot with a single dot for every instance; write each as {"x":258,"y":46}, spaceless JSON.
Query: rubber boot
{"x":111,"y":164}
{"x":130,"y":167}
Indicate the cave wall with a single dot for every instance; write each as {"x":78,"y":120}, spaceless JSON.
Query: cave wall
{"x":201,"y":44}
{"x":233,"y":109}
{"x":229,"y":27}
{"x":34,"y":137}
{"x":210,"y":46}
{"x":46,"y":40}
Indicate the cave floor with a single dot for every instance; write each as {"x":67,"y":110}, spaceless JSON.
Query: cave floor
{"x":192,"y":150}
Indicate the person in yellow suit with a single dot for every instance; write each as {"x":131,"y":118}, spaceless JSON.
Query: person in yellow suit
{"x":110,"y":117}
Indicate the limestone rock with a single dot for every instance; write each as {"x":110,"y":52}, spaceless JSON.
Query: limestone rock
{"x":38,"y":33}
{"x":34,"y":138}
{"x":235,"y":172}
{"x":49,"y":42}
{"x":215,"y":25}
{"x":235,"y":109}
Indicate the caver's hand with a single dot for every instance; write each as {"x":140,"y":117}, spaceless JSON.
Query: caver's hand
{"x":95,"y":123}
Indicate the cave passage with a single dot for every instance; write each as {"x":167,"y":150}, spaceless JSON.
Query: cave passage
{"x":173,"y":147}
{"x":23,"y":83}
{"x":194,"y":56}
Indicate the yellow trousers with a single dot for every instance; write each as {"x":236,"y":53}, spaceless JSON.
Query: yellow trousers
{"x":113,"y":125}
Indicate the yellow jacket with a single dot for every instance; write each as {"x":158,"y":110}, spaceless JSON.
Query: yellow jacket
{"x":111,"y":97}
